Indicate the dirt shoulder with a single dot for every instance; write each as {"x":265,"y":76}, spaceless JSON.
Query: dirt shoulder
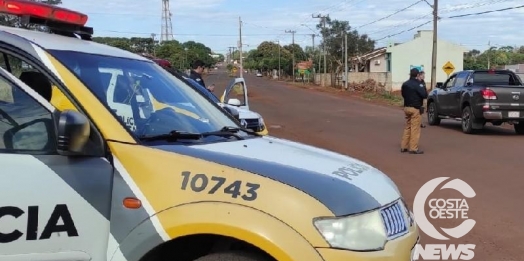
{"x":393,"y":99}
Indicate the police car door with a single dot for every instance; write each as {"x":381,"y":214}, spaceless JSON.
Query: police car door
{"x":52,"y":207}
{"x":236,"y":94}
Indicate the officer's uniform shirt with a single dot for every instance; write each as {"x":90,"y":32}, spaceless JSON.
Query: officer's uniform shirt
{"x":197,"y":77}
{"x":414,"y":92}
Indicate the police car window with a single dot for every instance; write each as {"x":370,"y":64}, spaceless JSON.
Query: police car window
{"x":237,"y":92}
{"x":203,"y":90}
{"x":14,"y":65}
{"x":36,"y":80}
{"x":145,"y":98}
{"x":24,"y":123}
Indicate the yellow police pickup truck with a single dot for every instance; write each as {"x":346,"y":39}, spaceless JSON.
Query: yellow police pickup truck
{"x":82,"y":182}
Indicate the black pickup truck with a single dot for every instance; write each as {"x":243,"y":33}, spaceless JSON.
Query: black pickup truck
{"x":476,"y":97}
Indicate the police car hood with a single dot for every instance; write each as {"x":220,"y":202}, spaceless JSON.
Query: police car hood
{"x":345,"y":185}
{"x":243,"y":113}
{"x":247,"y":114}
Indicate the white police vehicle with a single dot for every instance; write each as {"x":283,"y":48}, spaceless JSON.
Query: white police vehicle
{"x":79,"y":182}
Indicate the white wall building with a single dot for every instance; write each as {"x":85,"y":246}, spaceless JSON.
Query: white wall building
{"x":400,"y":58}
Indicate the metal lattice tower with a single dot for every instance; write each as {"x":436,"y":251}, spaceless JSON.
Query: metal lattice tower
{"x":167,"y":26}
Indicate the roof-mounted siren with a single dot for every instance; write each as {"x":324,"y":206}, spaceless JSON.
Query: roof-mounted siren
{"x":59,"y":20}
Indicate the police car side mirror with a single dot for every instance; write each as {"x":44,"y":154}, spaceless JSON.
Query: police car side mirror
{"x":233,"y":112}
{"x":234,"y":102}
{"x":73,"y":133}
{"x":440,"y":85}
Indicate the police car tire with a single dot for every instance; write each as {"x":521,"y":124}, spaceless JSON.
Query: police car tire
{"x":233,"y":256}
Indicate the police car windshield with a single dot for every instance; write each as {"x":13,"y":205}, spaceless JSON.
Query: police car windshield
{"x":203,"y":90}
{"x":147,"y":99}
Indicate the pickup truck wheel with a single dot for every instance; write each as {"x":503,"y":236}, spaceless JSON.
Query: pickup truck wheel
{"x":433,"y":118}
{"x":233,"y":256}
{"x":467,"y":120}
{"x":519,"y":128}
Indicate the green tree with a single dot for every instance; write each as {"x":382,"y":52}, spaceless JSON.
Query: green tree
{"x":506,"y":55}
{"x":198,"y":51}
{"x":220,"y":58}
{"x":333,"y":35}
{"x":181,"y":55}
{"x":174,"y":52}
{"x":119,"y":42}
{"x":266,"y":58}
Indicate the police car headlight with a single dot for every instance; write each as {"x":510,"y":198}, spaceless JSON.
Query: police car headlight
{"x":363,"y":232}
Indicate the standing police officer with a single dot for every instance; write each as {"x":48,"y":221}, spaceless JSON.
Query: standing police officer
{"x":414,"y":93}
{"x":196,"y":74}
{"x":421,"y":78}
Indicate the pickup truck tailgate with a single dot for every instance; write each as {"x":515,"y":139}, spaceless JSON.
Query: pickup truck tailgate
{"x":510,"y":100}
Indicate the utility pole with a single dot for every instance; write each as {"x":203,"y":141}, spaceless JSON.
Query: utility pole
{"x":435,"y":38}
{"x":323,"y":21}
{"x":313,"y":57}
{"x":489,"y":55}
{"x":313,"y":40}
{"x":278,"y":41}
{"x":240,"y":48}
{"x":231,"y":52}
{"x":346,"y":60}
{"x":293,"y":49}
{"x":153,"y":37}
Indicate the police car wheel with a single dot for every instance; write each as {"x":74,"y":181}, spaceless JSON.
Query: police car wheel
{"x":233,"y":256}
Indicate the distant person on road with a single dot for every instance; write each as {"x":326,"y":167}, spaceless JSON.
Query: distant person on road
{"x":421,"y":77}
{"x":414,"y":93}
{"x":196,"y":74}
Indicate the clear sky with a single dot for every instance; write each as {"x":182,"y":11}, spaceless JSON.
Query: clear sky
{"x":215,"y":22}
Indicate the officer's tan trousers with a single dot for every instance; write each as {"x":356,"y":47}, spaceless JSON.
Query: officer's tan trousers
{"x":411,"y":134}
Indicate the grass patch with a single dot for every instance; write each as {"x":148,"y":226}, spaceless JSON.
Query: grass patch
{"x":389,"y":98}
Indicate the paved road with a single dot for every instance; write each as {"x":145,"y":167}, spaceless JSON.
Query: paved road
{"x":490,"y":162}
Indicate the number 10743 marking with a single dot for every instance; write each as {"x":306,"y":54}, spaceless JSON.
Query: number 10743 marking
{"x":201,"y":182}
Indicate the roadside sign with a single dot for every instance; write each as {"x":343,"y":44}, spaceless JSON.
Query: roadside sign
{"x":303,"y":71}
{"x":448,"y":68}
{"x":234,"y":70}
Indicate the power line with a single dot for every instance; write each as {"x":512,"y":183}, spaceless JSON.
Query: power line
{"x":487,"y":12}
{"x":331,"y":7}
{"x":187,"y":34}
{"x":474,"y":5}
{"x":407,"y":30}
{"x":390,"y":15}
{"x":292,"y":32}
{"x":456,"y":16}
{"x":448,"y":10}
{"x":345,"y":5}
{"x":261,"y":26}
{"x":402,"y":24}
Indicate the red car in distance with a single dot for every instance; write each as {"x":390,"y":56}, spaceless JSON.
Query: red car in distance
{"x":162,"y":62}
